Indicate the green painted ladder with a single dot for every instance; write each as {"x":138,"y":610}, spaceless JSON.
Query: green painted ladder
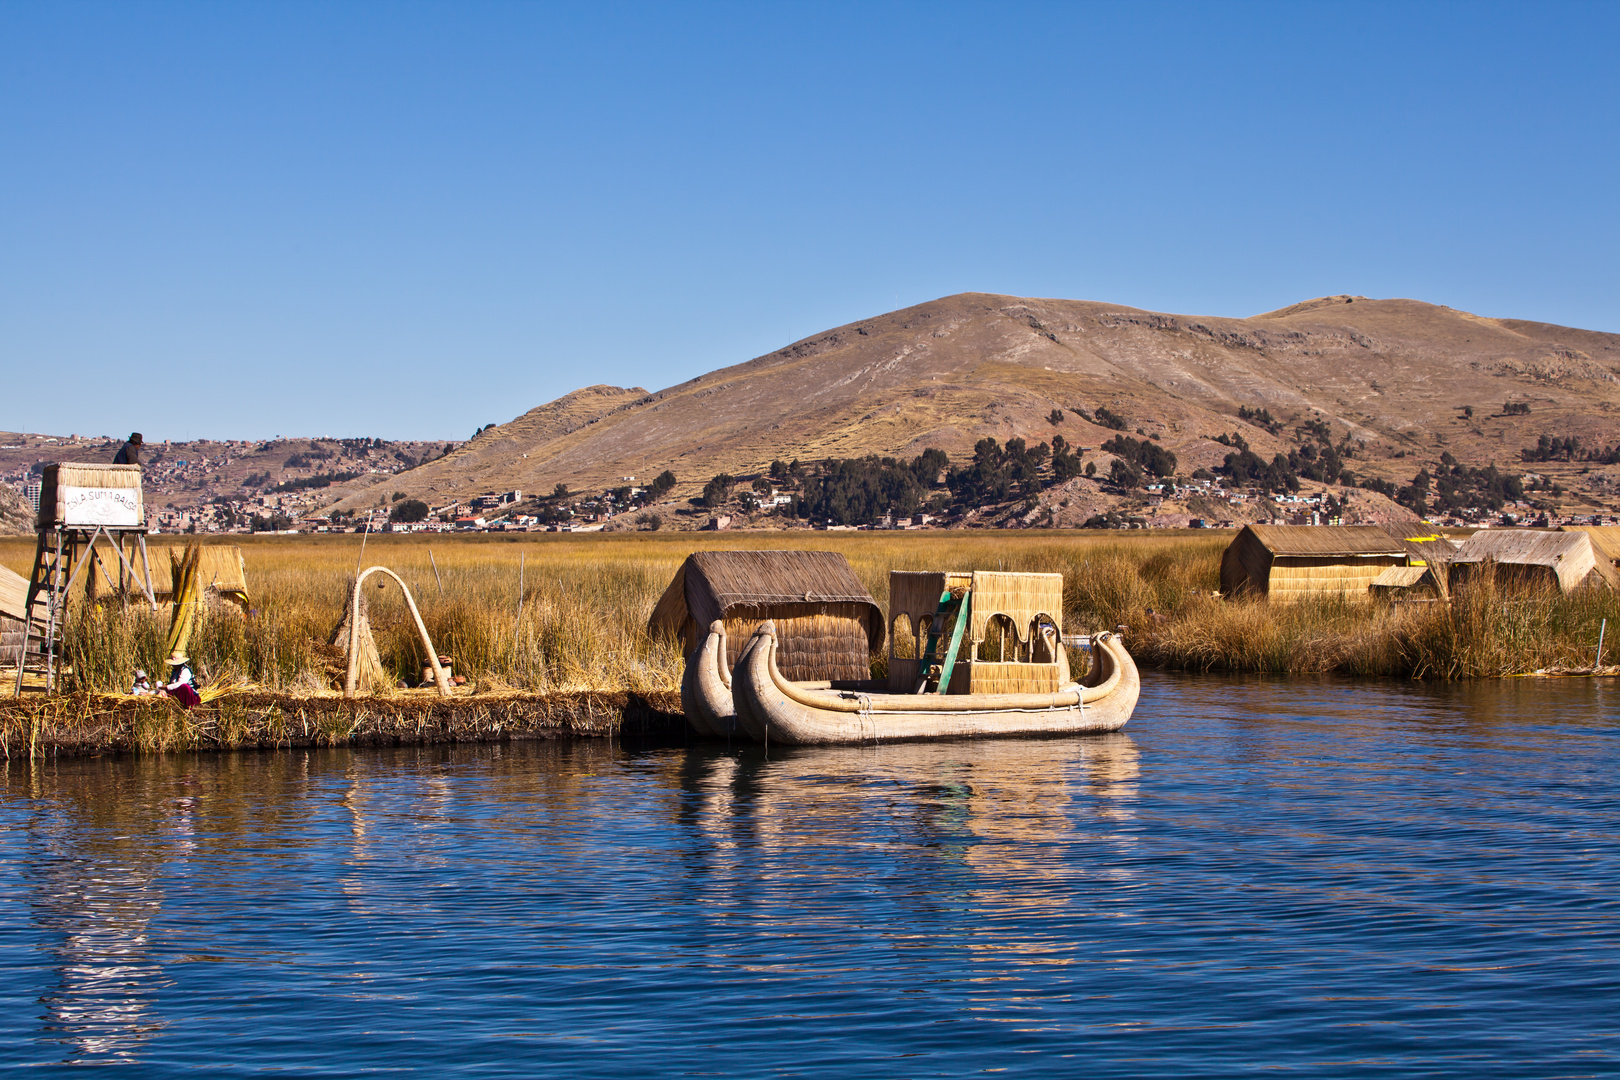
{"x":948,"y":605}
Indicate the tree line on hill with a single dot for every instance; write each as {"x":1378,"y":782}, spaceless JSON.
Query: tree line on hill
{"x":1548,"y":448}
{"x":866,"y":490}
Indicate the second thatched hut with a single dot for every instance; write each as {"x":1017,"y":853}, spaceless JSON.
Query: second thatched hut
{"x":1294,"y":562}
{"x":1566,"y":560}
{"x":827,"y":623}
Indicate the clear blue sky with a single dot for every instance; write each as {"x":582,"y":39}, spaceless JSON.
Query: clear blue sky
{"x":409,"y":220}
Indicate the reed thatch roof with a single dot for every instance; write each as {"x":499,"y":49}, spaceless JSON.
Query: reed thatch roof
{"x":13,"y":594}
{"x":1606,"y":538}
{"x":1315,"y":541}
{"x":1570,"y":557}
{"x":1422,"y":545}
{"x":72,"y":474}
{"x":1400,"y":577}
{"x":715,"y":584}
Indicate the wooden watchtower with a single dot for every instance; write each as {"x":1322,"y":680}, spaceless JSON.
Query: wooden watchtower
{"x":78,"y":506}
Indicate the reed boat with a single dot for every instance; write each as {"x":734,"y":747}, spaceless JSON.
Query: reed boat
{"x":986,"y":659}
{"x":785,"y":654}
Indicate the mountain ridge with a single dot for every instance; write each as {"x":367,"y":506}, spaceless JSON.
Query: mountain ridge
{"x":1391,"y":375}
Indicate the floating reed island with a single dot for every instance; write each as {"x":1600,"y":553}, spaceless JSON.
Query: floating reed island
{"x":583,"y":629}
{"x":85,"y":723}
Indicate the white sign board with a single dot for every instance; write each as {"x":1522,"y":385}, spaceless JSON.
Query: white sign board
{"x":98,"y":506}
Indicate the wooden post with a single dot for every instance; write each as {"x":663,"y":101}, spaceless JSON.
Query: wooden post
{"x":519,"y":619}
{"x":363,"y":538}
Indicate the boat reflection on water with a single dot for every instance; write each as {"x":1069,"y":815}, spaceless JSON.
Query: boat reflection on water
{"x":1009,"y":813}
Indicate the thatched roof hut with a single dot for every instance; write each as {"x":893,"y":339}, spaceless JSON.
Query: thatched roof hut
{"x":827,"y":624}
{"x":1606,"y":538}
{"x":1566,"y":560}
{"x":1292,"y":562}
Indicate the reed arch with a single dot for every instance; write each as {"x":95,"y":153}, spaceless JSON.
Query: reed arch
{"x":439,"y":676}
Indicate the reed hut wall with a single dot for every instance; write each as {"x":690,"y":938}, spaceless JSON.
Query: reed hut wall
{"x":11,"y":641}
{"x":13,"y":605}
{"x":1296,"y":562}
{"x":827,"y":624}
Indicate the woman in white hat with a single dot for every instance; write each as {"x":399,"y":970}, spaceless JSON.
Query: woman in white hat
{"x":181,"y":686}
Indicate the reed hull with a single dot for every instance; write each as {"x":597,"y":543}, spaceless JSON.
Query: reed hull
{"x":706,"y":689}
{"x":778,"y":711}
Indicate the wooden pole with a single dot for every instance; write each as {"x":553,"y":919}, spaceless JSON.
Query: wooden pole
{"x":436,"y":576}
{"x":1599,"y":661}
{"x":363,"y":538}
{"x":519,"y":619}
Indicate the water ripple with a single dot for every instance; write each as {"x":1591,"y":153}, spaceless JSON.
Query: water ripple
{"x":1319,"y":877}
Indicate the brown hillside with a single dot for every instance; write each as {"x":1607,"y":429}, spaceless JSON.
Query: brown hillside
{"x":16,"y":513}
{"x":1393,"y":374}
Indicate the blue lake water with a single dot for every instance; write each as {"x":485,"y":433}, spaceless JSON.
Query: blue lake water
{"x":1309,"y":878}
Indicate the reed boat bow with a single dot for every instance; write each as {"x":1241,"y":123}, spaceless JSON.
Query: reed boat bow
{"x":706,"y":688}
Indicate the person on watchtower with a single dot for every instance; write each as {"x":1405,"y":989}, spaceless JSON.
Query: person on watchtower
{"x":181,"y":686}
{"x":130,"y":452}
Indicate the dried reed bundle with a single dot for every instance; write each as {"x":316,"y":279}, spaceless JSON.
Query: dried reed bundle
{"x":370,"y":677}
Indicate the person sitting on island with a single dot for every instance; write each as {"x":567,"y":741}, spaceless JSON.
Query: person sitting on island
{"x":181,"y":686}
{"x":130,"y":452}
{"x":142,"y":685}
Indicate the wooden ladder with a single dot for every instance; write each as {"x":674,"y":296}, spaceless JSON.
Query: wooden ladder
{"x":57,"y":565}
{"x":45,"y":609}
{"x":949,"y":604}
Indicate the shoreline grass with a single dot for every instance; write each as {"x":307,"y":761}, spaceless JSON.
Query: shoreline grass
{"x":586,"y":599}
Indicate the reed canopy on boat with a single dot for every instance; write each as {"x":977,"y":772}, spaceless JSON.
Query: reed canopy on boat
{"x":1010,"y":639}
{"x":827,"y":624}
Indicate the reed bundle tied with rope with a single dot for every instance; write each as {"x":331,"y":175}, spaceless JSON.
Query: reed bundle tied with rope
{"x":370,"y":676}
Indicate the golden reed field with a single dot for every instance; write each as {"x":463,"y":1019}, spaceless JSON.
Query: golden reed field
{"x":586,"y":598}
